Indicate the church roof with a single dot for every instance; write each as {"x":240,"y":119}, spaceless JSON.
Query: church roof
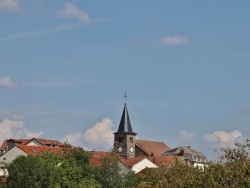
{"x":125,"y":125}
{"x":152,"y":148}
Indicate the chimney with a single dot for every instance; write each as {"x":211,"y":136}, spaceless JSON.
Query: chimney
{"x":154,"y":160}
{"x":182,"y":152}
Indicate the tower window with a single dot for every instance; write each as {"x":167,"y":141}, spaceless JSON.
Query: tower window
{"x":120,"y":139}
{"x":131,"y":139}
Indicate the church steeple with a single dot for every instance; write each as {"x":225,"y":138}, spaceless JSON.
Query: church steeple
{"x":124,"y":138}
{"x":125,"y":125}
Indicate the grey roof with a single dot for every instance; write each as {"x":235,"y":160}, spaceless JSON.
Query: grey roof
{"x":187,"y":149}
{"x":188,"y":153}
{"x":125,"y":125}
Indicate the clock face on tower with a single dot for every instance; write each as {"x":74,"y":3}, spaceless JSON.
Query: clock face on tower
{"x":131,"y":149}
{"x":120,"y":149}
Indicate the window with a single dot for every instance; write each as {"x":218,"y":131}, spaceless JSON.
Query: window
{"x":131,"y":139}
{"x":120,"y":139}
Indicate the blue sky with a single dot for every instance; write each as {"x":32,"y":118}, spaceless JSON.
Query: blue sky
{"x":65,"y":66}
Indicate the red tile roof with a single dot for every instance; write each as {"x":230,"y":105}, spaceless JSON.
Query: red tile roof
{"x":96,"y":157}
{"x":166,"y":160}
{"x":154,"y":148}
{"x":132,"y":161}
{"x":17,"y":141}
{"x":4,"y":145}
{"x":33,"y":150}
{"x":46,"y":142}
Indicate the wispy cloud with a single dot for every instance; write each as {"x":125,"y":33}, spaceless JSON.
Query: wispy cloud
{"x":6,"y":82}
{"x":175,"y":40}
{"x":50,"y":84}
{"x":243,"y":109}
{"x":185,"y":135}
{"x":36,"y":33}
{"x":10,"y":5}
{"x":14,"y":128}
{"x":98,"y":136}
{"x":222,"y":139}
{"x":70,"y":11}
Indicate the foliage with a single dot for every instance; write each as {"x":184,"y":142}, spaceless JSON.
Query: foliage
{"x":81,"y":157}
{"x":232,"y":170}
{"x":30,"y":171}
{"x":44,"y":170}
{"x":131,"y":180}
{"x":108,"y":173}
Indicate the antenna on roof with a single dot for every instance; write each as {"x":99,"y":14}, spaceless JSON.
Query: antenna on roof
{"x":125,"y":99}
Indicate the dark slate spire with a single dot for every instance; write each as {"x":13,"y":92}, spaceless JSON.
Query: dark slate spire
{"x":125,"y":125}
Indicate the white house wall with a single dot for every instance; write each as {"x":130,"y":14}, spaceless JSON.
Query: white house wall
{"x":200,"y":165}
{"x":145,"y":163}
{"x":10,"y":155}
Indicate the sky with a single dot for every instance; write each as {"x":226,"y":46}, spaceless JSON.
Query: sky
{"x":65,"y":67}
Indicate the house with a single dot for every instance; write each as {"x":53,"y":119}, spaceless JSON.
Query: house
{"x":137,"y":164}
{"x":190,"y":156}
{"x":96,"y":160}
{"x":24,"y":150}
{"x":166,"y":160}
{"x":11,"y":148}
{"x":10,"y":143}
{"x":126,"y":144}
{"x":18,"y":150}
{"x":133,"y":164}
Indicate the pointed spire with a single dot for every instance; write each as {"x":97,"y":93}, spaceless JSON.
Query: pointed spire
{"x":125,"y":125}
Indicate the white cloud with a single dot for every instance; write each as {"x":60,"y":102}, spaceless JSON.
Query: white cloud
{"x":98,"y":136}
{"x":185,"y":135}
{"x":14,"y":128}
{"x":10,"y":5}
{"x":222,"y":139}
{"x":72,"y":12}
{"x":175,"y":40}
{"x":6,"y":82}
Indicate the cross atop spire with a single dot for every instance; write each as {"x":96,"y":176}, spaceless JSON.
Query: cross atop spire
{"x":125,"y":99}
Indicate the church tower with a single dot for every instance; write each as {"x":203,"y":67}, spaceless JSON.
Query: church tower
{"x":124,"y":138}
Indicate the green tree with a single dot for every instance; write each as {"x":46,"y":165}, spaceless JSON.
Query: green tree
{"x":232,"y":169}
{"x":43,"y":170}
{"x":108,"y":174}
{"x":26,"y":172}
{"x":176,"y":175}
{"x":81,"y":157}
